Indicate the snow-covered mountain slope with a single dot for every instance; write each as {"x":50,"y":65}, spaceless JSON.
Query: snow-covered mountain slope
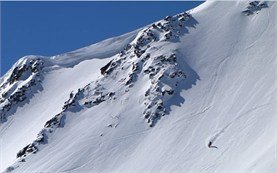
{"x":194,"y":92}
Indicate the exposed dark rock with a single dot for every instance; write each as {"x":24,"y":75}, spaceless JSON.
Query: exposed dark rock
{"x":168,"y":35}
{"x":10,"y":169}
{"x":27,"y":70}
{"x":111,"y":94}
{"x":154,"y":26}
{"x":104,"y":69}
{"x":26,"y":150}
{"x":135,"y":67}
{"x":130,"y":79}
{"x":40,"y":138}
{"x":138,"y":52}
{"x":53,"y":121}
{"x":254,"y":6}
{"x":169,"y":92}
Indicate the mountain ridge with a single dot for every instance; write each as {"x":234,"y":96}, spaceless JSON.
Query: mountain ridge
{"x":151,"y":60}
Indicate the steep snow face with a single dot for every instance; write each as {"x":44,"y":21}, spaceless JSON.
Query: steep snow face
{"x":194,"y":92}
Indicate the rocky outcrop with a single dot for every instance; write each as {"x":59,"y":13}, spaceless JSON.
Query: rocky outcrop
{"x":139,"y":59}
{"x":75,"y":103}
{"x":163,"y":71}
{"x":19,"y":85}
{"x":254,"y":6}
{"x":164,"y":74}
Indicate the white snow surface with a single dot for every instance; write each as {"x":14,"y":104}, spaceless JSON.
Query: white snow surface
{"x":228,"y":98}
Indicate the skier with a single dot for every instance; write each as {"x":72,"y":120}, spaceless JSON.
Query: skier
{"x":210,"y":145}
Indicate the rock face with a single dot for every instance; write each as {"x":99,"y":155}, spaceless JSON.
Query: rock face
{"x":19,"y":86}
{"x":254,"y":7}
{"x":163,"y":72}
{"x":50,"y":126}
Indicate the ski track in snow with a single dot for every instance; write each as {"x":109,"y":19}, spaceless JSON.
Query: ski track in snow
{"x":222,"y":131}
{"x":191,"y":116}
{"x":261,"y":34}
{"x":7,"y":125}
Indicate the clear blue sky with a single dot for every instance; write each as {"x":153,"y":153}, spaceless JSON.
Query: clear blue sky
{"x":50,"y":28}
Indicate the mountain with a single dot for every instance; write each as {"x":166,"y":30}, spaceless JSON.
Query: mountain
{"x":194,"y":92}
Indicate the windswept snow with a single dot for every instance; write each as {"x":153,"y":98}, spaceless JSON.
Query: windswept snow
{"x":112,"y":46}
{"x":190,"y":93}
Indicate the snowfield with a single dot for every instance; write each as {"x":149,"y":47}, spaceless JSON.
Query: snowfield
{"x":194,"y":92}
